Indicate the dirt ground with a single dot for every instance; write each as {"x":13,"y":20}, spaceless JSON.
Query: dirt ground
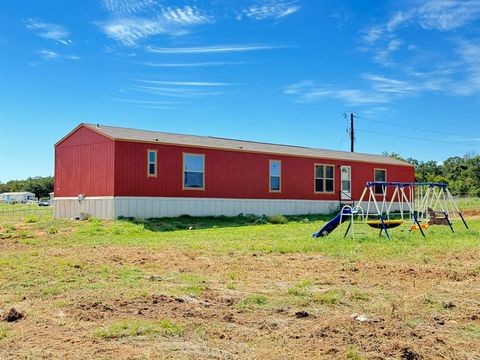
{"x":344,"y":309}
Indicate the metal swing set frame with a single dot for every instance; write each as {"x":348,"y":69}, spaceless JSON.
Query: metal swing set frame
{"x":414,"y":201}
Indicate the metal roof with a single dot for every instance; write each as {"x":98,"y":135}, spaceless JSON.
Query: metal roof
{"x":127,"y":134}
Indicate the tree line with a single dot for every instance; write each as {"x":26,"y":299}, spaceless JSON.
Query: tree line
{"x":39,"y":185}
{"x":462,"y":174}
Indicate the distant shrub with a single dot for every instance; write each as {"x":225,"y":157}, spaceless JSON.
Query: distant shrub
{"x":127,"y":218}
{"x":168,"y":227}
{"x":254,"y":219}
{"x":261,"y":221}
{"x":277,"y":219}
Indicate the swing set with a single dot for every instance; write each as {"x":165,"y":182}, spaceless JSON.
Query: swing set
{"x":386,"y":205}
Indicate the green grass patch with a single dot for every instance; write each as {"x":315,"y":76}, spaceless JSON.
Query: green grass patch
{"x":252,"y":301}
{"x":300,"y":289}
{"x":3,"y":331}
{"x":330,"y":297}
{"x":134,"y":328}
{"x":353,"y":354}
{"x":472,"y":330}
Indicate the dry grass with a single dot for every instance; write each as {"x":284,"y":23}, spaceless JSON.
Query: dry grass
{"x":121,"y":290}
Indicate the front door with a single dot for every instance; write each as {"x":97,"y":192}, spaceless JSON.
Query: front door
{"x":346,"y":182}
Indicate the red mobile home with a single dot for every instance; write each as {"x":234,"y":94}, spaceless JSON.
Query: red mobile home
{"x":107,"y":172}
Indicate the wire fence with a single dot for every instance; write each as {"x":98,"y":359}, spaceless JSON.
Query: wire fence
{"x":32,"y":212}
{"x":24,"y":213}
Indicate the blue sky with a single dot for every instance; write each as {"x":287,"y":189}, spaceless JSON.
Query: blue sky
{"x":282,"y":71}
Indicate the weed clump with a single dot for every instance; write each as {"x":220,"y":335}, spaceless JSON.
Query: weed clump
{"x":252,"y":301}
{"x":277,"y":219}
{"x":3,"y":332}
{"x":52,"y":230}
{"x":31,"y":219}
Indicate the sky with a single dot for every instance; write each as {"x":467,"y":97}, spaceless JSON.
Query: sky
{"x":280,"y":71}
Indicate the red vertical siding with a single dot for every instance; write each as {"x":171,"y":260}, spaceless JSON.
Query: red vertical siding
{"x":84,"y":164}
{"x":234,"y":174}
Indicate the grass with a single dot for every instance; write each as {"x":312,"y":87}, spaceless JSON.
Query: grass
{"x":3,"y":331}
{"x":472,"y":330}
{"x":133,"y":328}
{"x":252,"y":301}
{"x":468,"y":203}
{"x":235,"y":284}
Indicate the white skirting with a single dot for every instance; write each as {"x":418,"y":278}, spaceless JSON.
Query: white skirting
{"x":109,"y":207}
{"x":101,"y":207}
{"x":151,"y":207}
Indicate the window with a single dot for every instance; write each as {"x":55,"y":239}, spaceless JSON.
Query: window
{"x":380,"y":175}
{"x":194,"y":171}
{"x":324,"y":178}
{"x":275,"y":175}
{"x":152,"y":163}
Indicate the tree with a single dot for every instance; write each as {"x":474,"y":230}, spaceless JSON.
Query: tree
{"x":40,"y":186}
{"x":462,"y":174}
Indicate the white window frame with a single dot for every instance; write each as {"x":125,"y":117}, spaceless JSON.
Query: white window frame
{"x":270,"y":176}
{"x":202,"y":172}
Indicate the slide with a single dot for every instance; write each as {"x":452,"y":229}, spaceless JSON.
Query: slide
{"x":332,"y":224}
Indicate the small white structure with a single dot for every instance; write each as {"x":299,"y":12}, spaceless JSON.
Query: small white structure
{"x":17,"y":197}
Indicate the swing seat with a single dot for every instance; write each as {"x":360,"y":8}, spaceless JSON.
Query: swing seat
{"x":424,"y":227}
{"x":389,"y":224}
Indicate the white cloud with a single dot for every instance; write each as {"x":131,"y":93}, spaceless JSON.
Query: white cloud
{"x":130,"y":30}
{"x":48,"y":55}
{"x":185,"y":16}
{"x":193,"y":64}
{"x":185,"y":83}
{"x":377,"y":89}
{"x":309,"y":91}
{"x":268,"y":9}
{"x":469,"y":83}
{"x":127,"y":7}
{"x":210,"y":49}
{"x":174,"y":91}
{"x":382,"y":55}
{"x":49,"y":31}
{"x":448,"y":14}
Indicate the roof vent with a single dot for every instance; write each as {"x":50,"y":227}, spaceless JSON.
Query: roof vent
{"x":156,"y":139}
{"x":98,"y":125}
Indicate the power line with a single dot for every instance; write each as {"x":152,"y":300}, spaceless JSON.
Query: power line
{"x":414,"y":127}
{"x":410,"y":137}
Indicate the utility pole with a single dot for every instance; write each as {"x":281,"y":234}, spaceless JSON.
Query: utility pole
{"x":352,"y":133}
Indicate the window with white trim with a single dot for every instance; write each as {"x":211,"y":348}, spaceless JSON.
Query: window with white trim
{"x":151,"y":163}
{"x":380,"y":175}
{"x":275,"y":181}
{"x":194,"y":171}
{"x":324,"y":178}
